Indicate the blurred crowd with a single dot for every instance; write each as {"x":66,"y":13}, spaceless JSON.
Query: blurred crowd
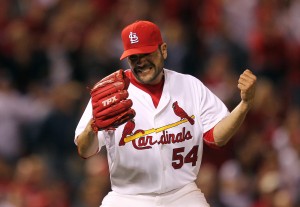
{"x":53,"y":51}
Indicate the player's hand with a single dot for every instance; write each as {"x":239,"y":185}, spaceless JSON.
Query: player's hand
{"x":247,"y":85}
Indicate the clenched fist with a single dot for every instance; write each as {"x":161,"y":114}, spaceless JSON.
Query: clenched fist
{"x":247,"y":84}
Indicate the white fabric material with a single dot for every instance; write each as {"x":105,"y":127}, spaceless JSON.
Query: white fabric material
{"x":188,"y":196}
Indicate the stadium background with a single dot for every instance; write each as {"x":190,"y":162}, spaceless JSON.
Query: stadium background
{"x":52,"y":50}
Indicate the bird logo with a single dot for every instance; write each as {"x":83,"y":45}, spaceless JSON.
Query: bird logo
{"x":128,"y":129}
{"x":181,"y":113}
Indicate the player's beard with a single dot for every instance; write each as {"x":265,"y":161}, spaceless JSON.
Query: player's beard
{"x":149,"y":73}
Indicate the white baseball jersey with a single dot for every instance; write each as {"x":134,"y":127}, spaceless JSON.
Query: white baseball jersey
{"x":163,"y":152}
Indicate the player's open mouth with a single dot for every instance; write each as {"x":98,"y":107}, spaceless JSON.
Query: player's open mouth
{"x":143,"y":70}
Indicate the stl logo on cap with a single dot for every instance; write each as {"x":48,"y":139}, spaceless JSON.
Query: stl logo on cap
{"x":140,"y":37}
{"x":133,"y":38}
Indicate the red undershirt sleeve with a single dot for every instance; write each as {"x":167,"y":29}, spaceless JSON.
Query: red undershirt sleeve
{"x":208,"y":138}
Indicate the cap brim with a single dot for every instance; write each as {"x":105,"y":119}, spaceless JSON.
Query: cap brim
{"x":140,"y":50}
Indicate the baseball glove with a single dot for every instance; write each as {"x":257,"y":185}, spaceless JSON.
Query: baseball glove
{"x":111,"y":106}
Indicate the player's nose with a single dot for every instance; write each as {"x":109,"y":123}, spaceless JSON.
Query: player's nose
{"x":141,"y":62}
{"x":141,"y":59}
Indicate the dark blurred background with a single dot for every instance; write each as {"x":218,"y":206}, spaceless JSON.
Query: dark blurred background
{"x":51,"y":51}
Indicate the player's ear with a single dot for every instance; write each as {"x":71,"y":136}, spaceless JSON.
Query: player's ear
{"x":164,"y":50}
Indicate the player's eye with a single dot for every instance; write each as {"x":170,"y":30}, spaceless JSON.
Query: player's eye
{"x":133,"y":58}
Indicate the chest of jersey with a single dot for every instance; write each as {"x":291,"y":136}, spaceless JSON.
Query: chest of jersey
{"x":166,"y":139}
{"x":171,"y":123}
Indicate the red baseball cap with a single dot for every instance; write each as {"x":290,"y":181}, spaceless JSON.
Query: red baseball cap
{"x":140,"y":37}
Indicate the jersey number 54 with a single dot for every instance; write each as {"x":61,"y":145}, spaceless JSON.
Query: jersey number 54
{"x":179,"y":159}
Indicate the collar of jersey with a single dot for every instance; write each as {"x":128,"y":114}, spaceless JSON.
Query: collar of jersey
{"x":155,"y":91}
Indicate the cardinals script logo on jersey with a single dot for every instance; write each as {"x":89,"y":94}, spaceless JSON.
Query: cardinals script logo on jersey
{"x":142,"y":139}
{"x":128,"y":129}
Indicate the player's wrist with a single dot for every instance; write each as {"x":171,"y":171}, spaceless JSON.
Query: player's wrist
{"x":245,"y":106}
{"x":91,"y":129}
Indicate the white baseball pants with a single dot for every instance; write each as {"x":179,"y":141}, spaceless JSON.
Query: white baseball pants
{"x":188,"y":196}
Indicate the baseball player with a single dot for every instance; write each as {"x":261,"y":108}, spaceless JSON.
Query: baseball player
{"x":153,"y":122}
